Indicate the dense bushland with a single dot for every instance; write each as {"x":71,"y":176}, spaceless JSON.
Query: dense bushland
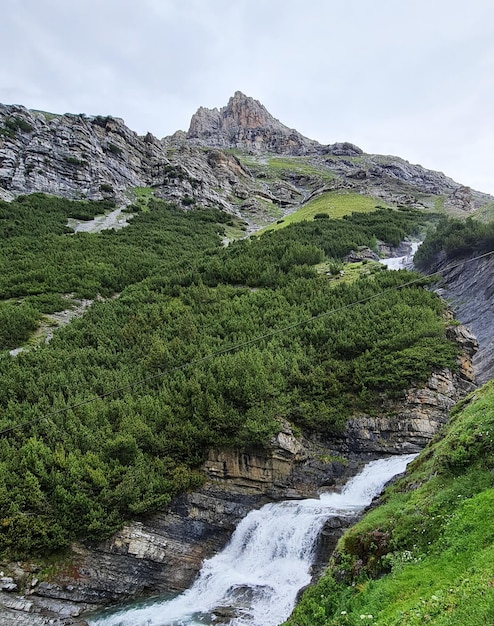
{"x":455,"y":239}
{"x":117,"y":412}
{"x":36,"y":259}
{"x":38,"y":214}
{"x":425,"y":555}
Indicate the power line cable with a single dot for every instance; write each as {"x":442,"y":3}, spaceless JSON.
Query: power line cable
{"x":233,"y":348}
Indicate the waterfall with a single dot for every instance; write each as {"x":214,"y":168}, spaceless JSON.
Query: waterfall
{"x":254,"y":581}
{"x":402,"y":262}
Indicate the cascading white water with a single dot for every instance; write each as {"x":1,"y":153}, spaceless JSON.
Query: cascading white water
{"x":255,"y":579}
{"x":402,"y":262}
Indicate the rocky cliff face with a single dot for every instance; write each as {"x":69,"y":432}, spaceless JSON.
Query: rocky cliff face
{"x":468,"y":286}
{"x":70,"y":155}
{"x":245,"y":124}
{"x":79,"y":156}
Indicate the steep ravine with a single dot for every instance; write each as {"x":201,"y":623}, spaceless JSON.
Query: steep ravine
{"x":164,"y":552}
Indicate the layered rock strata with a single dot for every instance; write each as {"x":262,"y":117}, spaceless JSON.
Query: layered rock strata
{"x":244,"y":123}
{"x":468,"y":287}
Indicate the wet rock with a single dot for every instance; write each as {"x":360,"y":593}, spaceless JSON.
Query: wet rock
{"x":332,"y":530}
{"x":362,"y":254}
{"x":21,"y":611}
{"x":388,"y":251}
{"x":225,"y":614}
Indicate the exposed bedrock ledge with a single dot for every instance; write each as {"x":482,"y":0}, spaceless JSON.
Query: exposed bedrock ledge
{"x":409,"y":426}
{"x":406,"y":426}
{"x":468,"y":286}
{"x":164,"y":551}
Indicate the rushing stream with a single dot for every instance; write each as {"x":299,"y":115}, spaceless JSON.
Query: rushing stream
{"x":402,"y":262}
{"x":254,"y":581}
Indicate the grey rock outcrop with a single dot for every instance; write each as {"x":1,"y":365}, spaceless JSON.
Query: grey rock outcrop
{"x":362,"y":254}
{"x":38,"y":611}
{"x":406,"y":427}
{"x":468,"y":286}
{"x":244,"y":123}
{"x":71,"y":155}
{"x":413,"y":424}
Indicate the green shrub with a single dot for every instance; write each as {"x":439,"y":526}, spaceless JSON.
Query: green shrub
{"x":14,"y":124}
{"x":182,"y":297}
{"x":456,"y":239}
{"x":74,"y":161}
{"x":114,"y":149}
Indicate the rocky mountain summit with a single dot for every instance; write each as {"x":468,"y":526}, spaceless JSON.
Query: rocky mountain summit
{"x":245,"y":124}
{"x":239,"y":158}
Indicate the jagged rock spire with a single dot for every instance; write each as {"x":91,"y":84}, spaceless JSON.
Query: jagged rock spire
{"x":246,"y":124}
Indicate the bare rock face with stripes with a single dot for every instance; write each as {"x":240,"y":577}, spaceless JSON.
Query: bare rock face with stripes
{"x":95,"y":157}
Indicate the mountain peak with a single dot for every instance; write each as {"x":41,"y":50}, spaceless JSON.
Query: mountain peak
{"x":246,"y":124}
{"x":246,"y":112}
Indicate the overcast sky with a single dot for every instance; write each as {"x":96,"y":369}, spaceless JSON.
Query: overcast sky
{"x":413,"y":78}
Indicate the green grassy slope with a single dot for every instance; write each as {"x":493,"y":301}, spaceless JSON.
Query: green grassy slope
{"x":332,"y":203}
{"x":426,"y":554}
